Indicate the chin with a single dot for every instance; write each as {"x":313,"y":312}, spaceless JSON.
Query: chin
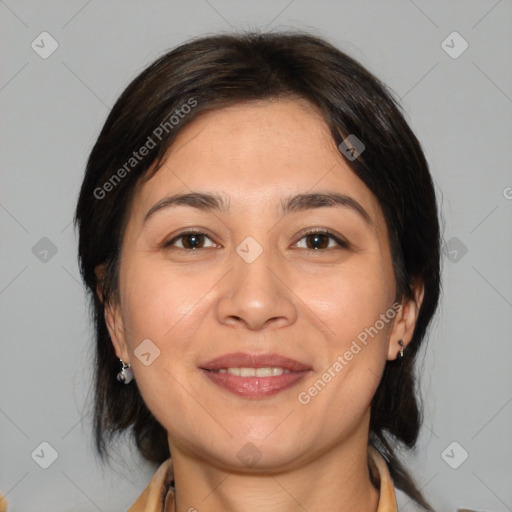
{"x":270,"y":452}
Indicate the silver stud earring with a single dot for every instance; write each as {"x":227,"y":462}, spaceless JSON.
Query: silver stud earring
{"x":401,"y":343}
{"x":126,"y":374}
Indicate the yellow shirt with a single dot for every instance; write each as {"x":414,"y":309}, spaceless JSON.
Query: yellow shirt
{"x":157,"y":497}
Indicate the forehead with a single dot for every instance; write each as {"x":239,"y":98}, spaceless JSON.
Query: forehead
{"x":255,"y":152}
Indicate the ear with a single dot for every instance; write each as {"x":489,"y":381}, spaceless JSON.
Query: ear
{"x":405,"y":321}
{"x":113,"y":318}
{"x":100,"y":277}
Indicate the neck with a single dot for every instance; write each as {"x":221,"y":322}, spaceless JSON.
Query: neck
{"x":338,"y":480}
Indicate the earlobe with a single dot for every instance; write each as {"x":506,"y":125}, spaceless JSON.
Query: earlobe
{"x":404,"y":324}
{"x":114,"y":322}
{"x":112,"y":317}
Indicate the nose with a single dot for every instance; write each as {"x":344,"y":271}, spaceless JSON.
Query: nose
{"x":256,"y":295}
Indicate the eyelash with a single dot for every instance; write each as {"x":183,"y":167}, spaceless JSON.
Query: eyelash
{"x":341,"y":242}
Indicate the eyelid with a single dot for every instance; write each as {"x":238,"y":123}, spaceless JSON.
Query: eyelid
{"x":188,"y":231}
{"x":340,"y":240}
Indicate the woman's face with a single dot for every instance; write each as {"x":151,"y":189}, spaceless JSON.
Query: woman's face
{"x":252,"y":285}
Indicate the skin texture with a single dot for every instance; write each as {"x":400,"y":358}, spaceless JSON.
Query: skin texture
{"x":304,"y":303}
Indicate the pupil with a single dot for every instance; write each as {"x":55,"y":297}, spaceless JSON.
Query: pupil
{"x":195,"y":241}
{"x":318,"y":239}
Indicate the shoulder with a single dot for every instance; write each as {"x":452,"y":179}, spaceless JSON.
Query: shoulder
{"x":3,"y":504}
{"x":388,"y":492}
{"x":155,"y":497}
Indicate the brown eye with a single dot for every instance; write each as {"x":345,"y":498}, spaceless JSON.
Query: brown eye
{"x":316,"y":240}
{"x":189,"y":241}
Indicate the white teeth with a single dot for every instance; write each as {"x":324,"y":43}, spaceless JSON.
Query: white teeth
{"x":254,"y":372}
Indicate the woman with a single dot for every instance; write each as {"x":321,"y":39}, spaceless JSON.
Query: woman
{"x":259,"y":234}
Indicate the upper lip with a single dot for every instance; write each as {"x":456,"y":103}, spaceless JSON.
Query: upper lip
{"x":242,"y":360}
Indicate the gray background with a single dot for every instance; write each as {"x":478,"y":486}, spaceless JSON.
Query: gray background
{"x":52,"y":111}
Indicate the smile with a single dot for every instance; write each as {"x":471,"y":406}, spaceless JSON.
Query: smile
{"x":254,"y":376}
{"x":254,"y":372}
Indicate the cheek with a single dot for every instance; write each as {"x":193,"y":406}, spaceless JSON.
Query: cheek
{"x":158,"y":303}
{"x":348,"y":301}
{"x":164,"y":308}
{"x":354,"y":308}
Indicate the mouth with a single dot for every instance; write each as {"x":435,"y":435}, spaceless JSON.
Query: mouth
{"x":254,"y":376}
{"x":253,"y":372}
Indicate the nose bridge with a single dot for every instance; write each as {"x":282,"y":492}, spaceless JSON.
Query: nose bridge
{"x":254,"y":279}
{"x":253,"y":268}
{"x":255,"y":293}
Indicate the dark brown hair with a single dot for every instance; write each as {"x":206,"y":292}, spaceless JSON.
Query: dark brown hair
{"x":215,"y":71}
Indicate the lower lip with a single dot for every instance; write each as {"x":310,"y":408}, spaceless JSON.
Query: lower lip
{"x":255,"y":387}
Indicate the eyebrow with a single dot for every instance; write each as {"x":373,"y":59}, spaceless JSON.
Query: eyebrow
{"x":301,"y":202}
